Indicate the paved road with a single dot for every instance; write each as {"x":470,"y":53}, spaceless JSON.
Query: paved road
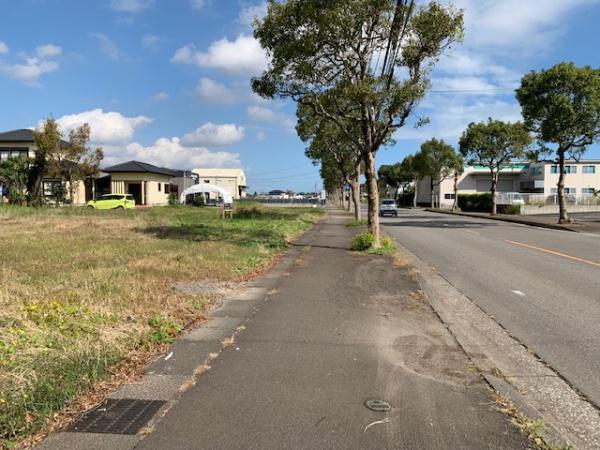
{"x":341,"y":328}
{"x":541,"y":285}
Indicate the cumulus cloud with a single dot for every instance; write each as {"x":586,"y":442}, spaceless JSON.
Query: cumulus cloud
{"x":48,"y":51}
{"x":107,"y":127}
{"x":211,"y":134}
{"x":171,"y":153}
{"x":109,"y":47}
{"x":150,"y":40}
{"x":30,"y":68}
{"x":250,"y":12}
{"x":243,"y":56}
{"x":214,"y":92}
{"x":160,"y":97}
{"x":130,"y":6}
{"x":197,"y":4}
{"x":263,"y":114}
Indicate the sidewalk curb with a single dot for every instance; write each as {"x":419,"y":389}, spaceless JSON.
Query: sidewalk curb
{"x":178,"y":369}
{"x":507,"y":365}
{"x":551,"y":226}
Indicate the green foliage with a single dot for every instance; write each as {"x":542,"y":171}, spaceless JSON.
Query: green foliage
{"x":475,"y":202}
{"x":58,"y":193}
{"x":386,"y":248}
{"x":436,"y":160}
{"x":199,"y":200}
{"x":357,"y":223}
{"x":163,"y":330}
{"x":509,"y":209}
{"x":14,"y":174}
{"x":362,"y":241}
{"x":48,"y":141}
{"x":173,"y":200}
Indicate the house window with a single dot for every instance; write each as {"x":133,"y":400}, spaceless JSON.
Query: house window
{"x":588,"y":190}
{"x":158,"y":187}
{"x":207,"y":181}
{"x":568,"y":169}
{"x":568,"y":191}
{"x":449,"y":196}
{"x":167,"y":188}
{"x":589,"y":169}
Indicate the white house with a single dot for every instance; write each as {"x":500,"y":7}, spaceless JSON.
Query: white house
{"x":232,"y":180}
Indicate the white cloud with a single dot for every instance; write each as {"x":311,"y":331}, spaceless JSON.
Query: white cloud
{"x":262,"y":114}
{"x":160,"y":97}
{"x":150,"y":40}
{"x":109,"y":47}
{"x":130,"y":6}
{"x":211,"y":134}
{"x":48,"y":51}
{"x":244,"y":56}
{"x":107,"y":127}
{"x":261,"y":135}
{"x":250,"y":12}
{"x":197,"y":4}
{"x":171,"y":153}
{"x":3,"y":48}
{"x":213,"y":92}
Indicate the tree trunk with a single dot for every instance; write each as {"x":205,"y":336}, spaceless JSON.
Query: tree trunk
{"x":373,"y":198}
{"x":356,"y":193}
{"x":562,"y":204}
{"x":455,"y":202}
{"x":493,"y":192}
{"x":431,"y":196}
{"x":341,"y":194}
{"x":416,"y":182}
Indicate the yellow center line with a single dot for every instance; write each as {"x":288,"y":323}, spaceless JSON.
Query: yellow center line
{"x":554,"y":252}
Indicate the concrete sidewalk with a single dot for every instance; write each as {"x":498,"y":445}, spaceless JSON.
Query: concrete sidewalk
{"x":340,"y":329}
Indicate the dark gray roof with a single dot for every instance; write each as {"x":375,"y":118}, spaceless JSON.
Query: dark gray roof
{"x":137,"y":167}
{"x":23,"y":135}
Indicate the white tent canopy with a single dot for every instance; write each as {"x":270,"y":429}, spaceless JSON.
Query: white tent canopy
{"x":204,"y":188}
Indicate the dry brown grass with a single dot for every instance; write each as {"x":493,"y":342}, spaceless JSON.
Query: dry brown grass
{"x":81,"y":289}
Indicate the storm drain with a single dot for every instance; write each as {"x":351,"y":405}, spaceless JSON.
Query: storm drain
{"x":117,"y":416}
{"x":377,"y":404}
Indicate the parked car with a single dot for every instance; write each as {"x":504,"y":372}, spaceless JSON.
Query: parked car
{"x":113,"y":201}
{"x":515,"y":198}
{"x":388,"y":206}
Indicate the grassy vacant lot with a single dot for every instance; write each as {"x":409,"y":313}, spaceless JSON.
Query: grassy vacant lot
{"x":82,"y":289}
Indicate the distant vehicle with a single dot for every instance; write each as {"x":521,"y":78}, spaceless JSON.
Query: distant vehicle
{"x":113,"y":201}
{"x":514,"y":198}
{"x":388,"y":206}
{"x":298,"y":197}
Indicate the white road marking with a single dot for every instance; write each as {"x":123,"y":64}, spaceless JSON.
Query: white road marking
{"x":168,"y":356}
{"x":519,"y":293}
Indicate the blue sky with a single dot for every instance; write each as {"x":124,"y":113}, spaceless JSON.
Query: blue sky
{"x":167,"y":81}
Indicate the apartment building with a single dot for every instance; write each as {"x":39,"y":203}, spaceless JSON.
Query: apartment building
{"x":540,"y":177}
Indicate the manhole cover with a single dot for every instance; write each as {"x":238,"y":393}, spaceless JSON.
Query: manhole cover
{"x":377,"y":404}
{"x":117,"y":416}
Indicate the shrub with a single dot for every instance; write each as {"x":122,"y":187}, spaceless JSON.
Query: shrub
{"x":199,"y":200}
{"x":357,"y":223}
{"x":362,"y":241}
{"x":475,"y":202}
{"x":509,"y":209}
{"x":387,"y":248}
{"x":173,"y":201}
{"x":249,"y":212}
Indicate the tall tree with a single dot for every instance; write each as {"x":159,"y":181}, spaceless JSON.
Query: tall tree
{"x":561,"y":106}
{"x":329,"y":145}
{"x":14,"y":173}
{"x":325,"y":55}
{"x":493,"y":144}
{"x":411,"y":172}
{"x":437,"y":161}
{"x":79,"y":161}
{"x":48,"y":141}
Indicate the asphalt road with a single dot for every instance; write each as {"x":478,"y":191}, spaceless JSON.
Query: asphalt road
{"x":541,"y":285}
{"x":341,"y":328}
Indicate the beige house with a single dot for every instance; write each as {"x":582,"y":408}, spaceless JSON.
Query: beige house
{"x":21,"y":144}
{"x":149,"y":185}
{"x":232,"y":180}
{"x":581,"y":178}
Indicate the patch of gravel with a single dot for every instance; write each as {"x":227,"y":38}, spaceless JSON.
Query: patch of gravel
{"x":209,"y":288}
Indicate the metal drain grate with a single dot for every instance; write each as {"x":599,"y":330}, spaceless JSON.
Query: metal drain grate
{"x":117,"y":416}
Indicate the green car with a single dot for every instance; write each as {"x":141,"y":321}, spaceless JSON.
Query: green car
{"x":113,"y":201}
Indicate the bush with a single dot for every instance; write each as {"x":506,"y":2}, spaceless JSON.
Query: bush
{"x":475,"y":202}
{"x":387,"y":248}
{"x":357,"y":223}
{"x":199,"y":200}
{"x":173,"y":201}
{"x":362,"y":241}
{"x":509,"y":209}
